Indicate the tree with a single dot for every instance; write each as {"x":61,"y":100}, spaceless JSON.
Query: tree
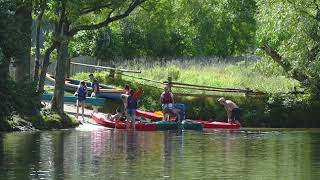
{"x":288,"y":32}
{"x":15,"y":36}
{"x":71,"y":17}
{"x":23,"y":23}
{"x":39,"y":10}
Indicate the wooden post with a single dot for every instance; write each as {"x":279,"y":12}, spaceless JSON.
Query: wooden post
{"x":112,"y":72}
{"x":247,"y":92}
{"x":169,"y":83}
{"x":118,"y":75}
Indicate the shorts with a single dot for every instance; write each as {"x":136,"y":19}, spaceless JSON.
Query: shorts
{"x":167,"y":108}
{"x":131,"y":112}
{"x":235,"y":114}
{"x":80,"y":99}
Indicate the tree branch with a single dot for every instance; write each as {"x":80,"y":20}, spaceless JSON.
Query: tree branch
{"x":108,"y":20}
{"x":300,"y":76}
{"x":89,"y":10}
{"x":276,"y":56}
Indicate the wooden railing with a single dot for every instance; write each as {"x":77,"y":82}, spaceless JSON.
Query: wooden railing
{"x":113,"y":70}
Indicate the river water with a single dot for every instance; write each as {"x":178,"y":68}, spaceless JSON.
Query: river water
{"x":94,"y":152}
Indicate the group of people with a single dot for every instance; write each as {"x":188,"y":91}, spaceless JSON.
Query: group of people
{"x":130,"y":104}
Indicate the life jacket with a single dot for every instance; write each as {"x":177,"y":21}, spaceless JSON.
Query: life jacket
{"x":82,"y":91}
{"x":132,"y":103}
{"x":167,"y":98}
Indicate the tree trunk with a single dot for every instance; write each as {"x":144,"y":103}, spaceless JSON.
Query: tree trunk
{"x":37,"y":58}
{"x":45,"y":64}
{"x":68,"y":66}
{"x":23,"y":20}
{"x":58,"y":101}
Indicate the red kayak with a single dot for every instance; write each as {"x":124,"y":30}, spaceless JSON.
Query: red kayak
{"x":216,"y":124}
{"x":103,"y":120}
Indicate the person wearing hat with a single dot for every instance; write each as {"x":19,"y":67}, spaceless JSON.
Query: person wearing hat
{"x":233,"y":110}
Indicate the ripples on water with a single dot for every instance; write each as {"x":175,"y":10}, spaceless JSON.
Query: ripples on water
{"x":95,"y":152}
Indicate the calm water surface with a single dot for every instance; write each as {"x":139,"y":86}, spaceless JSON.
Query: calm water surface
{"x":93,"y":152}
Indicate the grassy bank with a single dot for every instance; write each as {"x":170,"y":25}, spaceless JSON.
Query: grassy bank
{"x":276,"y":109}
{"x":257,"y":76}
{"x":45,"y":120}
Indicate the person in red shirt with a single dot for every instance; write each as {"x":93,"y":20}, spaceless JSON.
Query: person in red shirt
{"x":167,"y":101}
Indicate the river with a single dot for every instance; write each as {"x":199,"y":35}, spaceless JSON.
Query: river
{"x":95,"y":152}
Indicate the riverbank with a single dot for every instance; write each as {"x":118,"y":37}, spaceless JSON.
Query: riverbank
{"x":273,"y":110}
{"x":45,"y":120}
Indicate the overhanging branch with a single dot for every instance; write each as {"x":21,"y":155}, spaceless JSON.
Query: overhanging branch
{"x":108,"y":19}
{"x":276,"y":57}
{"x":92,"y":9}
{"x":298,"y":75}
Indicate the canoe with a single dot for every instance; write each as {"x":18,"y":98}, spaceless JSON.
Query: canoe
{"x":157,"y":117}
{"x":149,"y":115}
{"x":103,"y":120}
{"x":73,"y":99}
{"x":217,"y":124}
{"x":72,"y":85}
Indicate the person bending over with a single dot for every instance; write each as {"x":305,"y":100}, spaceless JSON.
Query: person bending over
{"x":232,"y":109}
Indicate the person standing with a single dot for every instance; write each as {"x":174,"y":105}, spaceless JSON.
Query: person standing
{"x":232,"y":109}
{"x":95,"y":86}
{"x":131,"y":108}
{"x":82,"y":94}
{"x":95,"y":90}
{"x":167,"y":101}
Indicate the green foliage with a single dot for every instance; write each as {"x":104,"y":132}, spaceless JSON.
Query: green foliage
{"x":292,"y":28}
{"x":175,"y":28}
{"x":19,"y":97}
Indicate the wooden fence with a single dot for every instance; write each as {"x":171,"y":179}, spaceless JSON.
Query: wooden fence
{"x":81,"y":64}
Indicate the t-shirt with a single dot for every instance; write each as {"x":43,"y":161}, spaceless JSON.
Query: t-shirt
{"x":94,"y":85}
{"x":132,"y":102}
{"x":167,"y":97}
{"x":82,"y":91}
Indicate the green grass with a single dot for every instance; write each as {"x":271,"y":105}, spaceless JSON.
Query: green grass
{"x":256,"y":76}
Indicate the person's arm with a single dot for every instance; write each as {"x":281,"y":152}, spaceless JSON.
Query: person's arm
{"x":76,"y":93}
{"x":95,"y":88}
{"x":161,"y":98}
{"x":228,"y":114}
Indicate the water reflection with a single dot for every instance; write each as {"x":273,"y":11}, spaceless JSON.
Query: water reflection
{"x":119,"y":154}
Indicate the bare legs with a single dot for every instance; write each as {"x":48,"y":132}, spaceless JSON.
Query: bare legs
{"x":80,"y":103}
{"x":131,"y":116}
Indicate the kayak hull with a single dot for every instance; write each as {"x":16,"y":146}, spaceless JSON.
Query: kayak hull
{"x":218,"y":125}
{"x":73,"y":99}
{"x":103,"y":120}
{"x":72,"y":85}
